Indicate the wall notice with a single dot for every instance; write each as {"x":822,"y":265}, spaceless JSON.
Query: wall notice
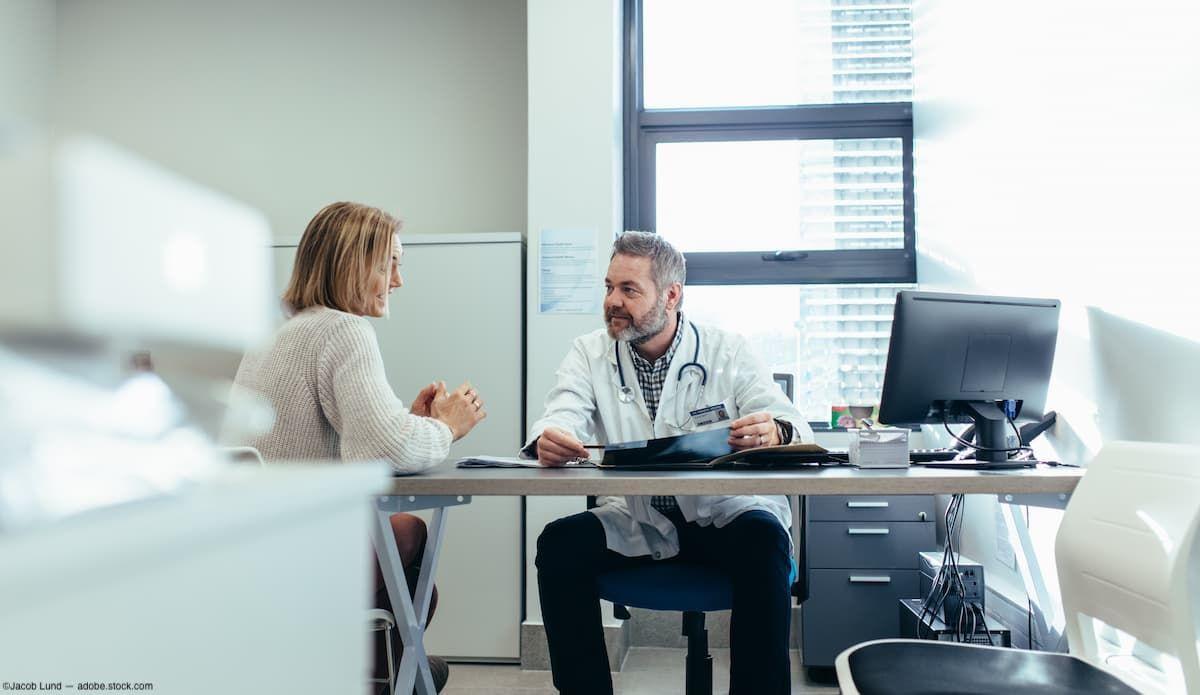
{"x":568,"y":275}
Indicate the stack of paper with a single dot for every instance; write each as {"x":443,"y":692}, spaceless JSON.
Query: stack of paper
{"x":506,"y":462}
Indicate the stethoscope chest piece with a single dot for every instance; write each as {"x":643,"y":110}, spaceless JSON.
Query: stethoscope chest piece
{"x":625,"y":393}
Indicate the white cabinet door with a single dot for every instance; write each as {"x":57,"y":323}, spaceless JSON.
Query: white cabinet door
{"x":459,"y":317}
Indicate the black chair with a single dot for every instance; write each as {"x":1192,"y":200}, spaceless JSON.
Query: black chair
{"x":678,"y":586}
{"x":1128,"y":556}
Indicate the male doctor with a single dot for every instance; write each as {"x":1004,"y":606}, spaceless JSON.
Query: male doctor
{"x":653,"y":373}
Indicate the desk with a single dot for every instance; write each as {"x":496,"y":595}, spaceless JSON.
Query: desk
{"x":833,"y":480}
{"x":446,"y":485}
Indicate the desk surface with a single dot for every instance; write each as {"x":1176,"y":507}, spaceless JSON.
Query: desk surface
{"x":835,"y":480}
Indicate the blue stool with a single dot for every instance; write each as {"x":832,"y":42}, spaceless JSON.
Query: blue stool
{"x":676,"y":586}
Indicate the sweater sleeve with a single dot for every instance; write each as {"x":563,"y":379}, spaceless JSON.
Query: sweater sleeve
{"x":357,"y":400}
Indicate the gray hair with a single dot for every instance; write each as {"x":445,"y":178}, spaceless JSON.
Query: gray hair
{"x":667,"y":265}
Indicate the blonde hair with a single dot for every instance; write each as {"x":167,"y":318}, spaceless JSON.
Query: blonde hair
{"x":342,"y":245}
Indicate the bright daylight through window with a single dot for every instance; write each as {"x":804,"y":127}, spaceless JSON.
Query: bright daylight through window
{"x":771,"y":141}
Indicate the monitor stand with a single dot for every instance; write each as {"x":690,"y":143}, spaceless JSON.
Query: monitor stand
{"x":991,"y":430}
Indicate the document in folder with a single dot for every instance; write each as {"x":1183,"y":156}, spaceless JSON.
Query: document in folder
{"x":691,"y":450}
{"x":707,"y":449}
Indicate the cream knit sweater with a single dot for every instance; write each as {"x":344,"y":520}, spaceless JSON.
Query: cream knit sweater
{"x":323,"y":373}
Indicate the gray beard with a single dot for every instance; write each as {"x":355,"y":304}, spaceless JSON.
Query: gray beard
{"x":638,"y":333}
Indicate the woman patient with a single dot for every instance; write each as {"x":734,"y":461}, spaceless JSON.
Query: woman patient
{"x":323,"y":371}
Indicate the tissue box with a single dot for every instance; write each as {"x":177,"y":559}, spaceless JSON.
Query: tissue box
{"x":879,"y":447}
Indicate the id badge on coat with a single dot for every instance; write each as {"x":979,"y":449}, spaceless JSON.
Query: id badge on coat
{"x":710,"y":414}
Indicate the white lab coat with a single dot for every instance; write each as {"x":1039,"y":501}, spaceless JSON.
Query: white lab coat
{"x":585,"y":403}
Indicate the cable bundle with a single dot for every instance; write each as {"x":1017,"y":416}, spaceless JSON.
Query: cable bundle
{"x":948,"y":582}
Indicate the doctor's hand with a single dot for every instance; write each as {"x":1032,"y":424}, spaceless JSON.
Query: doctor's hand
{"x":461,"y":409}
{"x":420,"y":404}
{"x":555,"y":447}
{"x":756,"y":429}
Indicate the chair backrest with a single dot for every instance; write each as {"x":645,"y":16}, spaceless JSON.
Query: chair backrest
{"x":243,"y":454}
{"x":1128,"y":561}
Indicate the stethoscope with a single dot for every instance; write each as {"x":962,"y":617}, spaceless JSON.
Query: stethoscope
{"x":625,"y":395}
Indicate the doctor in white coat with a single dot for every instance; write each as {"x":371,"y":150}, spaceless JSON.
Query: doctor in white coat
{"x":653,"y":373}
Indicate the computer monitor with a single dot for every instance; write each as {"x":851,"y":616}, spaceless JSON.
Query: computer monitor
{"x":958,"y":357}
{"x":784,"y":380}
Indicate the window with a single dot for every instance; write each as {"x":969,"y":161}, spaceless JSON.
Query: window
{"x":771,"y":142}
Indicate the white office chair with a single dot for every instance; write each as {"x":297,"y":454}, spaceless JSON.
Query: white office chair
{"x":1128,"y":560}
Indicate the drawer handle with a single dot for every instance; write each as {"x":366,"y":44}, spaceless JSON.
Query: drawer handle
{"x":868,"y":531}
{"x":867,"y":505}
{"x":857,"y":579}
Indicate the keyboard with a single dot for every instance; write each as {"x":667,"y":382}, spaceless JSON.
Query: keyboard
{"x":928,"y":455}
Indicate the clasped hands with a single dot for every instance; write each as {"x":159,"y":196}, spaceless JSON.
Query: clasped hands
{"x":460,"y":409}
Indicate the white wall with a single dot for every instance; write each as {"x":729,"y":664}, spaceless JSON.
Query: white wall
{"x":1056,"y":155}
{"x":574,"y":183}
{"x":26,"y":71}
{"x":26,"y":64}
{"x":417,"y":107}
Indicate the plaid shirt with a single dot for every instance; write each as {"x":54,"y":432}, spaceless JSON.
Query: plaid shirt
{"x":651,"y":378}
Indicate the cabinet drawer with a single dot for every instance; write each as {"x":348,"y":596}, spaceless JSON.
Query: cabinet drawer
{"x":846,"y":607}
{"x":874,"y":508}
{"x":889,"y":545}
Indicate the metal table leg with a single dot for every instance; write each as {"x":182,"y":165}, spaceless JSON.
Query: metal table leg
{"x":410,"y":622}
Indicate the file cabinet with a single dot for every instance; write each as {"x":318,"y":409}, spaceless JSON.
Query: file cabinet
{"x":860,"y":559}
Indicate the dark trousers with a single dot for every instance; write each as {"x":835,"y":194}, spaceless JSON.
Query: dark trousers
{"x":752,"y":550}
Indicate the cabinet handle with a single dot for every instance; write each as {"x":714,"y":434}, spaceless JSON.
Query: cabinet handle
{"x":867,"y":505}
{"x":858,"y":579}
{"x":868,"y":531}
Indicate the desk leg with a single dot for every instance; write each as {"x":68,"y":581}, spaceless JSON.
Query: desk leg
{"x":414,"y":663}
{"x":1050,"y":620}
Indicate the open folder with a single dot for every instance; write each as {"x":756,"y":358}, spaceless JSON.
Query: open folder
{"x":705,"y":449}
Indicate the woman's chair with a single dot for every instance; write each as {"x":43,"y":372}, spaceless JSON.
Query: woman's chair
{"x":243,"y":454}
{"x":380,"y":620}
{"x":1128,"y":560}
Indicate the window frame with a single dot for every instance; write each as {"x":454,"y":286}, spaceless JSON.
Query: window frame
{"x":645,"y":129}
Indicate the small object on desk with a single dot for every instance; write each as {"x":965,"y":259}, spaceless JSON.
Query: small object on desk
{"x":879,"y":447}
{"x":927,"y":455}
{"x":974,"y":464}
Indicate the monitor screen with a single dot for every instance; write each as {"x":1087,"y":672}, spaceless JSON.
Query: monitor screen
{"x":958,"y":357}
{"x":784,"y":381}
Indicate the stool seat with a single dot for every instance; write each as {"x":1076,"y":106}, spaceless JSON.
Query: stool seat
{"x":909,"y":667}
{"x":380,"y":619}
{"x":668,"y":586}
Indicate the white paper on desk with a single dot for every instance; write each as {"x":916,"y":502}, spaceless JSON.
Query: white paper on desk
{"x":496,"y":462}
{"x":510,"y":462}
